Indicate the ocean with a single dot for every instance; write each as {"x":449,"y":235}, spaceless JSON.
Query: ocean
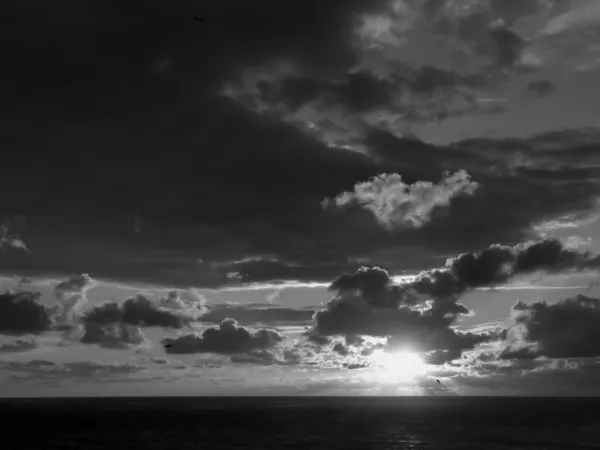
{"x":301,"y":423}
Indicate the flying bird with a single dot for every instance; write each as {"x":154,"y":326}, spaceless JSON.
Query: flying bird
{"x":199,"y":19}
{"x":439,"y":382}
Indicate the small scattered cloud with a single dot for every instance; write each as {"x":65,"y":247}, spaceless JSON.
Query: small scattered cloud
{"x":11,"y":240}
{"x":397,"y":205}
{"x":19,"y":345}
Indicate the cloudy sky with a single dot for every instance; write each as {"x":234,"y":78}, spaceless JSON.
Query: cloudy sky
{"x":334,"y":197}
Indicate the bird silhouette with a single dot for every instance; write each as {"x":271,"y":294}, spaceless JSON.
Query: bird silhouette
{"x":439,"y":382}
{"x":199,"y":19}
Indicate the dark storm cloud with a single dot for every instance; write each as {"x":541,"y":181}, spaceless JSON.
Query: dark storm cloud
{"x":18,"y":345}
{"x":567,"y":329}
{"x":257,"y":314}
{"x":132,"y":93}
{"x":228,"y":338}
{"x":22,"y":313}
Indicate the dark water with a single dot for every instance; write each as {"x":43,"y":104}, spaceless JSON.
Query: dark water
{"x":301,"y":423}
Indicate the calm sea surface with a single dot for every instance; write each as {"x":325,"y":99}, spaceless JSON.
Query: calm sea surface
{"x":301,"y":423}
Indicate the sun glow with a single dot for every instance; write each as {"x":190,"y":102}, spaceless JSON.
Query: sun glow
{"x":400,"y":366}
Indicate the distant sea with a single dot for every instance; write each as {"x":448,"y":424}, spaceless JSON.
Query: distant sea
{"x":300,"y":423}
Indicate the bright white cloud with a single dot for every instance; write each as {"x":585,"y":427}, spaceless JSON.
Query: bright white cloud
{"x":397,"y":205}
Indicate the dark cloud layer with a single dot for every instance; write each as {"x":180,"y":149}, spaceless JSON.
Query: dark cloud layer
{"x":256,"y":270}
{"x":119,"y":324}
{"x":567,"y":329}
{"x":539,"y":88}
{"x":22,"y":313}
{"x":136,"y":310}
{"x":39,"y":370}
{"x":113,"y":335}
{"x":228,"y":338}
{"x":134,"y":94}
{"x":498,"y":264}
{"x":495,"y":265}
{"x":406,"y":328}
{"x":418,"y":314}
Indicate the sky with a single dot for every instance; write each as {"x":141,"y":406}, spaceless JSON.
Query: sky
{"x":384,"y":197}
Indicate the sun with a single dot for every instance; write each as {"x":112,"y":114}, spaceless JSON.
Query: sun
{"x":399,"y":366}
